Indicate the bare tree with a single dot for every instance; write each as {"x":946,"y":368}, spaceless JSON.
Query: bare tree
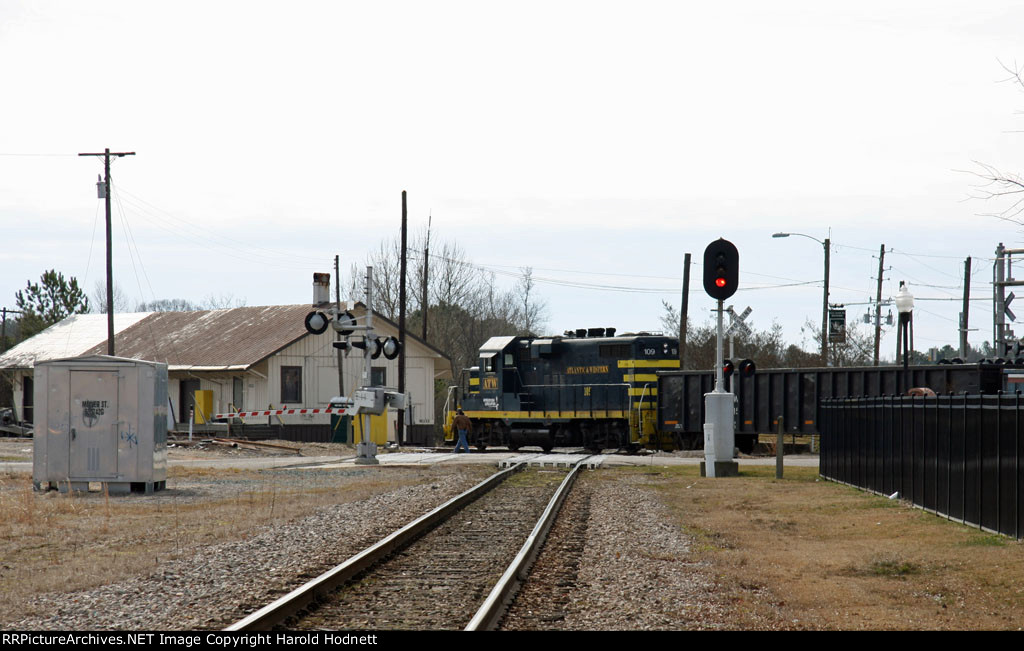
{"x":858,"y":349}
{"x":466,"y":305}
{"x":99,"y":298}
{"x":532,"y":315}
{"x":211,"y":302}
{"x":999,"y":185}
{"x":168,"y":305}
{"x":221,"y":302}
{"x":670,"y":319}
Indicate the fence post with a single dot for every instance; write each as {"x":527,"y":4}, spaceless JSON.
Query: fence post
{"x":779,"y":448}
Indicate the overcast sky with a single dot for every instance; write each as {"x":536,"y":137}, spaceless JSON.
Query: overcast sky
{"x":595,"y":142}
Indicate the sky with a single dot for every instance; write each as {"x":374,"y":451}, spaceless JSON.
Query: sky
{"x":594,"y":142}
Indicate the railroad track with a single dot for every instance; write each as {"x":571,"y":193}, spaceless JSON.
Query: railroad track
{"x":456,"y":567}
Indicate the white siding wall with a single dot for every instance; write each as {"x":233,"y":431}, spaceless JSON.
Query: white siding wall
{"x":318,"y":360}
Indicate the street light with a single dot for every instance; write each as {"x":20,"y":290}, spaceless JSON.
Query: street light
{"x":905,"y":306}
{"x":824,"y":300}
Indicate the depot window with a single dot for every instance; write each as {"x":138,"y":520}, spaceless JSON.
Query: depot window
{"x":291,"y":384}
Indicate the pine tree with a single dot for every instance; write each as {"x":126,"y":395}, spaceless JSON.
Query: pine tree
{"x":44,"y":303}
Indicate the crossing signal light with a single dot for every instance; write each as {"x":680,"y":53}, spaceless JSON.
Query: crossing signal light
{"x":391,"y":347}
{"x":747,"y":368}
{"x":727,"y":369}
{"x":316,"y":322}
{"x":721,"y":269}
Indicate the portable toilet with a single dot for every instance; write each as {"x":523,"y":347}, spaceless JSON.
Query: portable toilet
{"x":100,"y":419}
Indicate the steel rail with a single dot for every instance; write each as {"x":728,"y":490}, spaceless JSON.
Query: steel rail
{"x":489,"y":614}
{"x":315,"y":590}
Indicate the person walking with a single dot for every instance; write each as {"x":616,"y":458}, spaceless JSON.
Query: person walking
{"x":463,"y":426}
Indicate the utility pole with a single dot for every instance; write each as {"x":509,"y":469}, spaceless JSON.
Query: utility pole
{"x":824,"y":310}
{"x":966,"y":309}
{"x":683,"y":312}
{"x":401,"y":324}
{"x":110,"y":255}
{"x":425,"y":301}
{"x":878,"y":302}
{"x":337,"y":334}
{"x":3,"y":327}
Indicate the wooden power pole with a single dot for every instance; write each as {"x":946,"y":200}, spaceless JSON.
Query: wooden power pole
{"x":684,"y":311}
{"x":425,"y":301}
{"x":337,"y":335}
{"x":400,"y":434}
{"x":110,"y":255}
{"x":964,"y":315}
{"x":878,"y":302}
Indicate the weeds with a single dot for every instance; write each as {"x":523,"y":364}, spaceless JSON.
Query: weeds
{"x":894,"y":568}
{"x":986,"y":540}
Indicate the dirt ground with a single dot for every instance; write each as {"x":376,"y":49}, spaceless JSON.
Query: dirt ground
{"x":797,"y":553}
{"x":20,"y":449}
{"x":805,"y":553}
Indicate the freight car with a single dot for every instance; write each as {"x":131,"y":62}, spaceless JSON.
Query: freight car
{"x":588,"y":388}
{"x":794,"y":394}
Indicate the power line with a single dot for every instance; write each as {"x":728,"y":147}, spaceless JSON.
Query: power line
{"x":246,"y":252}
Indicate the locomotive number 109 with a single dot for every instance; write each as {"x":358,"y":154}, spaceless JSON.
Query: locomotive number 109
{"x":588,"y":388}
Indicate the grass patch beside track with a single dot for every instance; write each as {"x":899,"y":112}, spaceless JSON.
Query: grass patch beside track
{"x":806,"y":553}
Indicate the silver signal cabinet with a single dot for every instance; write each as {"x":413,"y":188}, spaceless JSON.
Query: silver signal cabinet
{"x":100,"y":419}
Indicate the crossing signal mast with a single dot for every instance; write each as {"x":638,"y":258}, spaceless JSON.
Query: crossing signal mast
{"x":721,"y":279}
{"x":367,"y":399}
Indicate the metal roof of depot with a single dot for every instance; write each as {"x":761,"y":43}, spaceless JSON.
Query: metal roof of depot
{"x":68,"y":338}
{"x":211,"y":340}
{"x":232,"y":339}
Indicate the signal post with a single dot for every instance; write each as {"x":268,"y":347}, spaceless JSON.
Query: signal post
{"x":721,"y":277}
{"x":368,"y":399}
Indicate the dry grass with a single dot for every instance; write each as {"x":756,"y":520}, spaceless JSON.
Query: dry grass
{"x":62,"y":542}
{"x":804,"y":553}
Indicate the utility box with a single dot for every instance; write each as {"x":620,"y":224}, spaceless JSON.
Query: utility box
{"x":100,"y":419}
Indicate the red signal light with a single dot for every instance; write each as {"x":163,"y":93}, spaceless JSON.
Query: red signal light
{"x":721,"y":269}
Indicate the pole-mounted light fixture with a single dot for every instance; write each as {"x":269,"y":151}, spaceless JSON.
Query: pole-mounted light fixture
{"x":824,"y":300}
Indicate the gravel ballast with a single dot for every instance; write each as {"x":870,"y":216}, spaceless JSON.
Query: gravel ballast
{"x":633,"y":572}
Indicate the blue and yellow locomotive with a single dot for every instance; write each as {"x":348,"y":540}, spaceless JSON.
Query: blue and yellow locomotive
{"x":588,"y":388}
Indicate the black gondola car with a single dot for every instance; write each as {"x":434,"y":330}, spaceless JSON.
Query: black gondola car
{"x":590,"y":388}
{"x":794,"y":394}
